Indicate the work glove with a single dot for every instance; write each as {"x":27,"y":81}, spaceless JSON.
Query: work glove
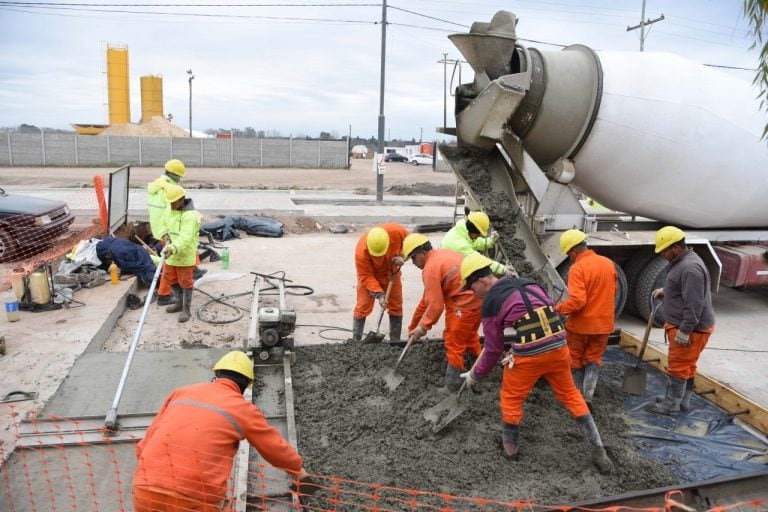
{"x":682,"y":339}
{"x":494,"y":238}
{"x":510,"y":272}
{"x":509,"y":360}
{"x":658,"y":293}
{"x":469,"y":380}
{"x":379,"y":296}
{"x":398,"y":261}
{"x":418,"y":332}
{"x":169,"y":249}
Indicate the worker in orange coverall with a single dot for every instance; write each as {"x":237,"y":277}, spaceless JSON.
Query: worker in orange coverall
{"x":442,"y":289}
{"x":689,"y":319}
{"x":378,"y":258}
{"x":185,"y":459}
{"x":521,"y":310}
{"x":590,"y":309}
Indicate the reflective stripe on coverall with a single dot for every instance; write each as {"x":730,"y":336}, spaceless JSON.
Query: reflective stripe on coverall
{"x":590,"y":307}
{"x":503,"y":306}
{"x":373,"y":273}
{"x":442,"y":288}
{"x":190,"y":446}
{"x":682,"y":359}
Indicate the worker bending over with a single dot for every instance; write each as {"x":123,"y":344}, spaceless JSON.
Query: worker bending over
{"x":590,"y":309}
{"x":538,"y":350}
{"x":470,"y":236}
{"x":159,"y":209}
{"x":689,"y":319}
{"x":442,"y":289}
{"x":378,"y":258}
{"x":183,"y":225}
{"x":185,"y":459}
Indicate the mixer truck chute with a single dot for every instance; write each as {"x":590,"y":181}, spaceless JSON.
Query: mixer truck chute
{"x":659,"y":137}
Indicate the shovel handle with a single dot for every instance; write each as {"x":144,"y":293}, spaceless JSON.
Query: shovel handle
{"x":402,"y":354}
{"x":648,"y":328}
{"x":386,"y":297}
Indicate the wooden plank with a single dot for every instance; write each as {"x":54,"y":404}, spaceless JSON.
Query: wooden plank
{"x":743,"y":408}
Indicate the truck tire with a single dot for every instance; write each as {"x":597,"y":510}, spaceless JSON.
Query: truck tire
{"x":621,"y":288}
{"x":632,"y":269}
{"x":651,"y":278}
{"x":7,"y":246}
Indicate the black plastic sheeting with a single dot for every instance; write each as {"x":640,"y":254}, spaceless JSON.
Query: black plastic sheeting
{"x":698,"y":444}
{"x":230,"y":227}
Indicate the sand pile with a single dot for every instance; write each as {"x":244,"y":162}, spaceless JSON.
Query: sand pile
{"x":158,"y":126}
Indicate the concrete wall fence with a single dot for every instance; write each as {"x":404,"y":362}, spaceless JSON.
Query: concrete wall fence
{"x":54,"y":149}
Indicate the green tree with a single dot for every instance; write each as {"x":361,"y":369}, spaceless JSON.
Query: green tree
{"x":756,"y":11}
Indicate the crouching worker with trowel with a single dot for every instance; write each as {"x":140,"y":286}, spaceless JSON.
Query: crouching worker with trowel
{"x":522,"y":309}
{"x":378,"y":258}
{"x":442,"y":288}
{"x":185,"y":459}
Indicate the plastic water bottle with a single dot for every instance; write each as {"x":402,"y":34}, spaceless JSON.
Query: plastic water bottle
{"x":225,"y":258}
{"x":11,"y":306}
{"x":114,"y":273}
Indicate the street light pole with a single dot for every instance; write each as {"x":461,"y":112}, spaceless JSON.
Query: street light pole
{"x":191,"y":77}
{"x":380,"y":147}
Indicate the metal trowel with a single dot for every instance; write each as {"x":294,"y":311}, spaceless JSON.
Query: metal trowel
{"x":446,"y":412}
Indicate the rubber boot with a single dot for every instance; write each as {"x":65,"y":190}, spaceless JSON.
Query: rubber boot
{"x":578,"y":378}
{"x":165,"y":300}
{"x":358,"y":324}
{"x":510,"y":440}
{"x":591,"y":373}
{"x":186,"y":302}
{"x":395,"y":327}
{"x":599,"y":457}
{"x":685,"y":403}
{"x":671,"y":403}
{"x":453,"y":378}
{"x":198,"y":272}
{"x":177,"y":299}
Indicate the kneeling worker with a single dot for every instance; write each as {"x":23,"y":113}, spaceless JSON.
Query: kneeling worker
{"x":538,"y":350}
{"x":185,"y":459}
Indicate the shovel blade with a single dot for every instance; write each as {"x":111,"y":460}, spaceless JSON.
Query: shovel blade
{"x":373,"y":337}
{"x":634,"y":380}
{"x":391,"y":378}
{"x":444,"y":413}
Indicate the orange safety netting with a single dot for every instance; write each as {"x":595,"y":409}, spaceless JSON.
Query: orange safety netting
{"x":68,"y":464}
{"x":42,"y":233}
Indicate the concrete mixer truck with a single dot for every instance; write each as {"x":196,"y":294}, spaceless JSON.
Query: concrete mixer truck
{"x":655,"y":138}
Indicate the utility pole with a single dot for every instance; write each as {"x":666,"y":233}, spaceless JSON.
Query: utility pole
{"x":643,"y":23}
{"x":380,"y":148}
{"x":191,"y":77}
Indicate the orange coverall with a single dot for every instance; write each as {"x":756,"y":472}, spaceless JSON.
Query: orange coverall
{"x":374,"y":273}
{"x":190,"y":446}
{"x":590,"y":307}
{"x":681,"y":359}
{"x":442,"y":288}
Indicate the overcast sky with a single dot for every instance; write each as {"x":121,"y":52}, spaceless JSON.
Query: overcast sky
{"x":302,"y":70}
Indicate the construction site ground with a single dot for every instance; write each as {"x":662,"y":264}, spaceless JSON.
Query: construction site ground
{"x":43,"y":347}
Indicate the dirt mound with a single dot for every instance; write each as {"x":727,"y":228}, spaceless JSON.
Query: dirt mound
{"x":422,"y":189}
{"x":299,"y":224}
{"x":156,"y":127}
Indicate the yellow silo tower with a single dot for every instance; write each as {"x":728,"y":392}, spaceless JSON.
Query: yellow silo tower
{"x":117,"y":84}
{"x":151,"y":97}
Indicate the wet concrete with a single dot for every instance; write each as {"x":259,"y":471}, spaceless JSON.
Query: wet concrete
{"x":351,"y":426}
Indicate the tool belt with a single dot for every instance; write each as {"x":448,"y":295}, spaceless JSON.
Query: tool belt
{"x":537,"y":323}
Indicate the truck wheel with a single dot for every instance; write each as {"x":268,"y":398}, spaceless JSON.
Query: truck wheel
{"x":621,"y":289}
{"x":632,"y":268}
{"x":7,"y":246}
{"x":652,"y":277}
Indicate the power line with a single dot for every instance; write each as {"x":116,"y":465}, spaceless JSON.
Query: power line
{"x":81,"y":4}
{"x":427,"y":16}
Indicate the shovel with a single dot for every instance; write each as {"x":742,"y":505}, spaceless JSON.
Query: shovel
{"x":444,"y":413}
{"x":390,"y":375}
{"x":634,"y":376}
{"x":378,"y":337}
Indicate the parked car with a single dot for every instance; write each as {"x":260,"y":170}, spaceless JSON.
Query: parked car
{"x":421,"y":159}
{"x":395,"y":157}
{"x":29,"y":224}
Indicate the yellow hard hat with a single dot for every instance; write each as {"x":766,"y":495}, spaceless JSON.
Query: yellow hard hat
{"x":571,"y":239}
{"x":174,"y":193}
{"x":412,"y":242}
{"x":176,"y":167}
{"x":377,"y":241}
{"x":667,"y":236}
{"x":235,"y":361}
{"x":471,"y":264}
{"x":481,"y":222}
